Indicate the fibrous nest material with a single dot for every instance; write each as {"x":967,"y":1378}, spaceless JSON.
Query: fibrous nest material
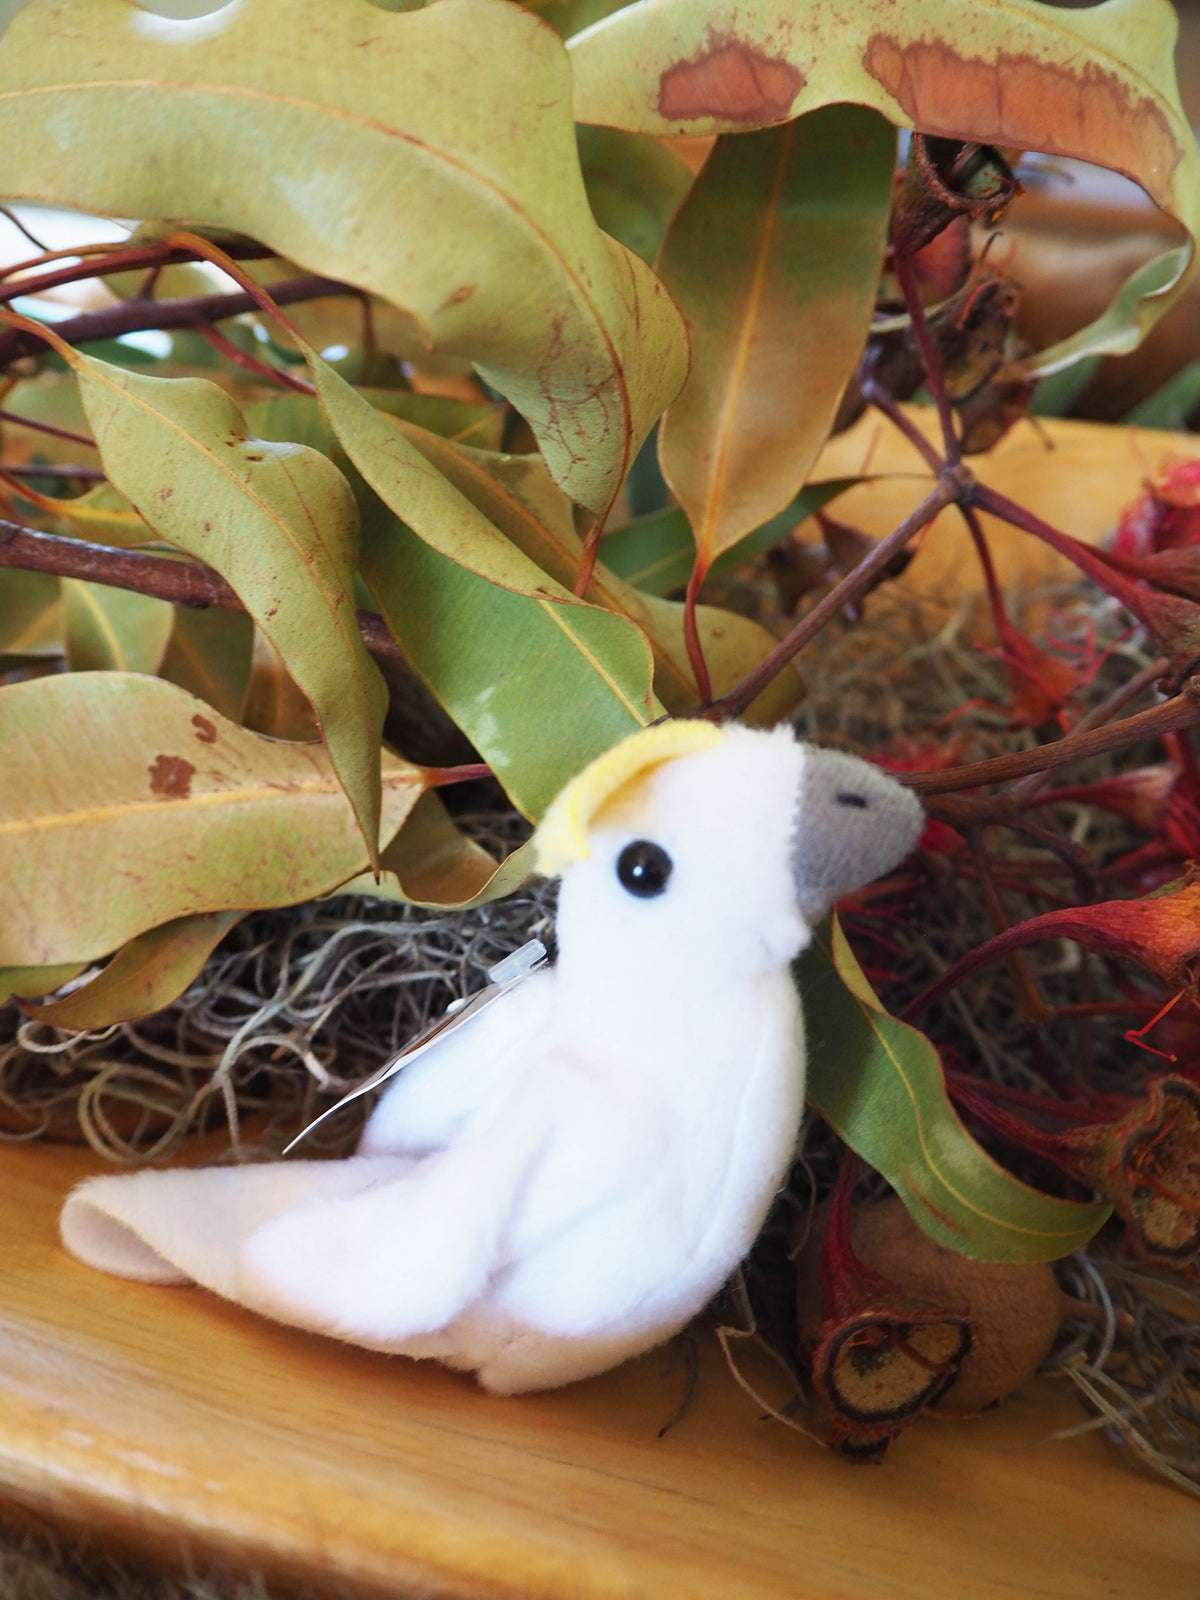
{"x":297,"y":1006}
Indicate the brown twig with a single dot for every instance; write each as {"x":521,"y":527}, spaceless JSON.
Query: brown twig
{"x":930,"y":358}
{"x":139,"y":316}
{"x":876,"y":395}
{"x":11,"y":216}
{"x":94,"y":261}
{"x":181,"y":581}
{"x":1032,"y":1006}
{"x":250,"y":363}
{"x":951,"y":486}
{"x":12,"y":420}
{"x":1181,"y":711}
{"x":48,"y":469}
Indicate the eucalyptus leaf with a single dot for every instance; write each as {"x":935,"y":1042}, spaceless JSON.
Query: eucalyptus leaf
{"x":1174,"y":405}
{"x":126,"y":802}
{"x":208,"y":654}
{"x":774,"y":259}
{"x":279,"y":521}
{"x":1096,"y":83}
{"x":31,"y":614}
{"x":517,"y":494}
{"x":879,"y":1083}
{"x":149,"y":973}
{"x":427,"y":157}
{"x":21,"y":983}
{"x":431,"y":862}
{"x":656,"y":553}
{"x":539,"y":681}
{"x":114,"y":629}
{"x":634,"y":186}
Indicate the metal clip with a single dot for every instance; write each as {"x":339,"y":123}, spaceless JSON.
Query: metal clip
{"x":502,"y":977}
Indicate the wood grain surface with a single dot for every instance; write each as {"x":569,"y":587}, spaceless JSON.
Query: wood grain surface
{"x":167,"y":1419}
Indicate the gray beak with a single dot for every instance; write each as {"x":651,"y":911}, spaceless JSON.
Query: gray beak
{"x":854,"y":823}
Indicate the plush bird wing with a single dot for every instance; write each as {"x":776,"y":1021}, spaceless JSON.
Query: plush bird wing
{"x":427,"y":1105}
{"x":398,"y":1259}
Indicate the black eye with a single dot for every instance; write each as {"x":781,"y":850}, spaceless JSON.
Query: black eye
{"x":643,"y":868}
{"x":849,"y":798}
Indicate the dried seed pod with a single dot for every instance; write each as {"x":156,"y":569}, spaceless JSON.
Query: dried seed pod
{"x":1011,"y":1311}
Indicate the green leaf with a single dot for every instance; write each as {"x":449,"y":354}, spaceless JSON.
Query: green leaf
{"x":298,"y":418}
{"x":149,"y":973}
{"x":279,"y":521}
{"x":1056,"y":395}
{"x":22,"y":982}
{"x":125,"y":803}
{"x":879,"y":1083}
{"x":431,"y":862}
{"x":426,"y":157}
{"x":774,"y":259}
{"x":519,"y":497}
{"x":208,"y":654}
{"x":114,"y":630}
{"x":634,"y":186}
{"x":1173,"y":405}
{"x":656,"y":553}
{"x":539,"y":681}
{"x":31,"y":613}
{"x":1096,"y":83}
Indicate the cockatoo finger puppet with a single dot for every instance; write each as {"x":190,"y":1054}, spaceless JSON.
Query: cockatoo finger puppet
{"x":565,"y":1180}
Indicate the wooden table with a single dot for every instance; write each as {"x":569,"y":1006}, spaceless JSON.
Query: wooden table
{"x":166,"y":1419}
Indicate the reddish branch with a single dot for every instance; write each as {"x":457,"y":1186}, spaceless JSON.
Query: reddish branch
{"x":141,"y":316}
{"x":953,"y":484}
{"x":1181,"y":711}
{"x":181,"y":581}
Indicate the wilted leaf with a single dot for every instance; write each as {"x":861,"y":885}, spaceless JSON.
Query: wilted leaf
{"x":431,"y":862}
{"x":278,"y":521}
{"x":208,"y":654}
{"x":150,"y":972}
{"x":774,"y":259}
{"x":879,"y":1083}
{"x":634,"y":186}
{"x":539,"y":681}
{"x":453,"y":189}
{"x":114,"y":630}
{"x":1096,"y":83}
{"x":31,"y":613}
{"x":518,"y":495}
{"x":125,"y":803}
{"x":655,"y":553}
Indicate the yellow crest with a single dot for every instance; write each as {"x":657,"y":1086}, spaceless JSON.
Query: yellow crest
{"x":562,"y":836}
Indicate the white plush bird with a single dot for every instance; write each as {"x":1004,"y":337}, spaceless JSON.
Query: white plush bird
{"x":565,"y":1180}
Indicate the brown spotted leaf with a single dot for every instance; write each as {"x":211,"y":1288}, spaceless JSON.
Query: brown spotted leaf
{"x":1097,"y":84}
{"x":126,"y":802}
{"x":278,"y":521}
